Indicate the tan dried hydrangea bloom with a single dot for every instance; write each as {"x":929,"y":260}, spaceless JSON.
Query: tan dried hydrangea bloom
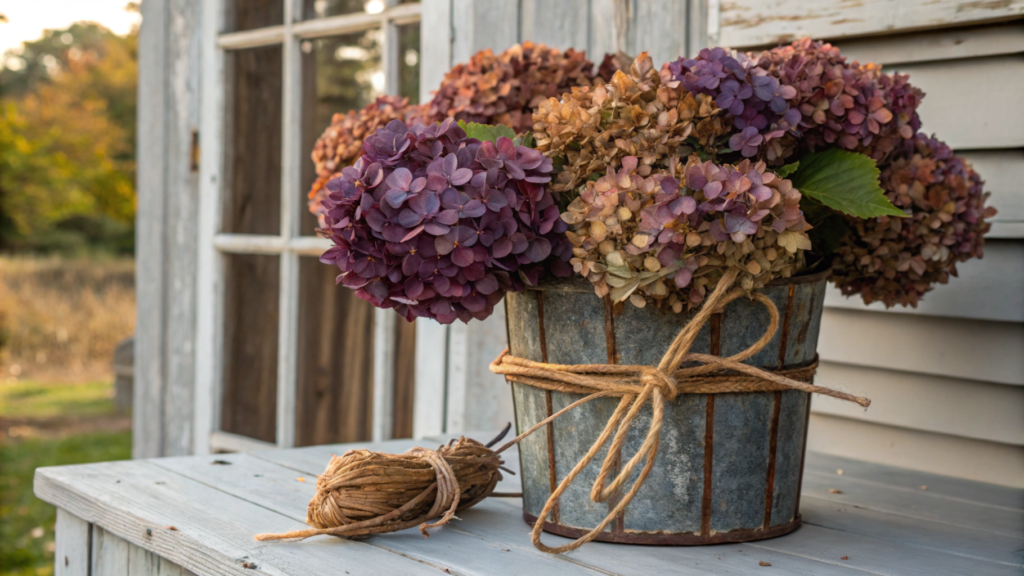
{"x":637,"y":114}
{"x":638,"y":234}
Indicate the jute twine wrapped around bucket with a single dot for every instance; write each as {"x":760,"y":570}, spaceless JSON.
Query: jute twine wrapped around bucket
{"x":421,"y":484}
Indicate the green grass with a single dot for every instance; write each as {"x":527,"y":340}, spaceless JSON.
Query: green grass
{"x":22,"y":553}
{"x":45,"y":400}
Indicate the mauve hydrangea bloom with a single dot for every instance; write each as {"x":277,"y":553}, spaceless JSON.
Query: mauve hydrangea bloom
{"x":438,"y":225}
{"x":341,"y":144}
{"x":896,"y":260}
{"x":638,"y":233}
{"x":803,"y":97}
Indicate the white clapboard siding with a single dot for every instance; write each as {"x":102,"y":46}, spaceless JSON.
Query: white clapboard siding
{"x":1003,"y":171}
{"x":989,"y":115}
{"x":939,"y":45}
{"x":971,"y":349}
{"x":758,"y":22}
{"x":944,"y":454}
{"x":958,"y":406}
{"x":990,"y":288}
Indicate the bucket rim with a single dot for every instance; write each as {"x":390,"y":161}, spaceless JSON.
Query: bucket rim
{"x":578,"y":284}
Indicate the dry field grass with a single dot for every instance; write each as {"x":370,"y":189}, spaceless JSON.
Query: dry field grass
{"x":60,"y":319}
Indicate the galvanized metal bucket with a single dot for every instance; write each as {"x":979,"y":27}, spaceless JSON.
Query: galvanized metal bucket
{"x":728,"y":467}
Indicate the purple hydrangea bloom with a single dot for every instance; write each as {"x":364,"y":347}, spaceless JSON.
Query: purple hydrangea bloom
{"x":438,"y":225}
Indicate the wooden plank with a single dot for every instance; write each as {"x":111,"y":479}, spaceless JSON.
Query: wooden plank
{"x":109,"y":554}
{"x":966,"y":458}
{"x":877,"y":555}
{"x":974,"y":349}
{"x":274,"y":487}
{"x":927,"y":534}
{"x":500,"y":520}
{"x":482,"y":24}
{"x":560,"y":24}
{"x":928,"y":403}
{"x":435,"y":45}
{"x":986,"y":289}
{"x":150,"y":274}
{"x":937,"y":45}
{"x":73,"y":548}
{"x":612,"y":24}
{"x":181,"y":205}
{"x":915,"y":504}
{"x":212,"y":532}
{"x":906,"y":479}
{"x":405,"y":379}
{"x":142,"y":562}
{"x":997,"y":124}
{"x":221,"y":441}
{"x":758,"y":22}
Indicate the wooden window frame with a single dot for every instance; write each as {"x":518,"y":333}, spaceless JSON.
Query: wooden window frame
{"x":214,"y":246}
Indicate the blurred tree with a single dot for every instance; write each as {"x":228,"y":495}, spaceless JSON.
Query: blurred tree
{"x":67,"y":141}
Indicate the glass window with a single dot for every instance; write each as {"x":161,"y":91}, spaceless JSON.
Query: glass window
{"x":249,"y":14}
{"x":339,"y":73}
{"x":323,"y":8}
{"x":253,"y":141}
{"x":249,"y":405}
{"x":409,"y":62}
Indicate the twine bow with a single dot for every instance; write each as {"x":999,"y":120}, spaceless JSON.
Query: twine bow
{"x":638,"y":385}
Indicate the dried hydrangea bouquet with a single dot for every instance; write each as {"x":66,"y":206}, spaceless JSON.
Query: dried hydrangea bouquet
{"x":662,"y":238}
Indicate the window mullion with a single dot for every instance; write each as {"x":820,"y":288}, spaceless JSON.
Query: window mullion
{"x":288,"y":322}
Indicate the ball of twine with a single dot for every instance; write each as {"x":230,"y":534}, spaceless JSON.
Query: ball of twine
{"x":363,"y":493}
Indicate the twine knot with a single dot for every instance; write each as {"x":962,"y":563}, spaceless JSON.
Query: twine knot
{"x":663,"y":381}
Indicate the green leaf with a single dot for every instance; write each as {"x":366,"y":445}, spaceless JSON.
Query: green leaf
{"x":829,"y":227}
{"x":486,"y":132}
{"x":845,"y":181}
{"x":784,"y":171}
{"x":525,"y":140}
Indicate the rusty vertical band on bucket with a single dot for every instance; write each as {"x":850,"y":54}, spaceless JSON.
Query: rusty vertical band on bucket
{"x":715,"y":349}
{"x":612,"y":352}
{"x":773,"y":446}
{"x":803,"y":454}
{"x":787,"y":319}
{"x":552,"y":477}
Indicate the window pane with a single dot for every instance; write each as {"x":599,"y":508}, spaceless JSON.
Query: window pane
{"x":339,"y":74}
{"x":249,"y":400}
{"x":409,"y":62}
{"x":249,"y":14}
{"x":324,"y":8}
{"x":254,"y":141}
{"x":335,"y":378}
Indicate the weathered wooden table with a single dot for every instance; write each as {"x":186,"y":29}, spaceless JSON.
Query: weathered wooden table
{"x":177,"y":516}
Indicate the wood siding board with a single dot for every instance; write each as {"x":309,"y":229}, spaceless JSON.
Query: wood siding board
{"x":660,"y":27}
{"x":431,"y":372}
{"x":73,"y":546}
{"x":977,"y":460}
{"x":482,"y":24}
{"x":973,"y":349}
{"x":997,"y":124}
{"x":941,"y":45}
{"x":562,"y":24}
{"x":962,"y":407}
{"x":213,"y":531}
{"x":760,"y":22}
{"x":986,"y":289}
{"x":109,"y":554}
{"x":142,"y":562}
